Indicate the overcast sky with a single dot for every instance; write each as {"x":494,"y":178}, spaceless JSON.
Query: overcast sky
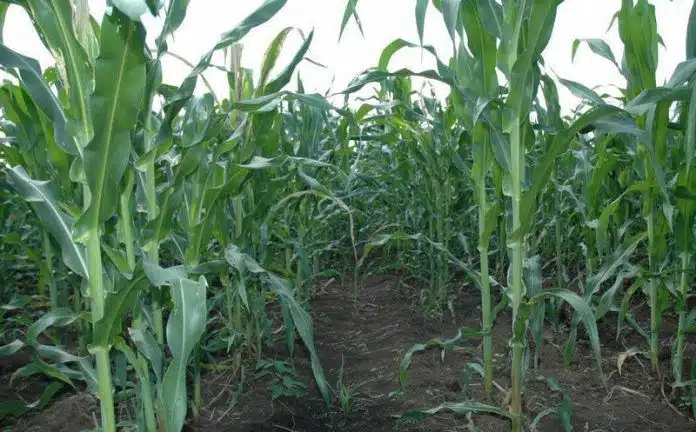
{"x":383,"y":21}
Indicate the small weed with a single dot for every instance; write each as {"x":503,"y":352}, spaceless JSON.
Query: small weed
{"x":285,"y":380}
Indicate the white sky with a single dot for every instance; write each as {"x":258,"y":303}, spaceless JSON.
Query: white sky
{"x":383,"y":21}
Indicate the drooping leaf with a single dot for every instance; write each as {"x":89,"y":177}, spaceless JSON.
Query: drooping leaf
{"x":38,"y":88}
{"x":457,"y":408}
{"x":303,"y":324}
{"x":599,"y":47}
{"x":444,"y":344}
{"x":159,"y":276}
{"x":11,"y":348}
{"x":58,"y":317}
{"x":17,"y":409}
{"x":421,"y":9}
{"x":241,"y":261}
{"x":56,"y":222}
{"x":582,"y":91}
{"x":582,"y":308}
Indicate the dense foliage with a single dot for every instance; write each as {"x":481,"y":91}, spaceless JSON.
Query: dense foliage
{"x":149,"y":230}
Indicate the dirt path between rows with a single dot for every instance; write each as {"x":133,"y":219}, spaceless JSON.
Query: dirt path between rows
{"x":371,"y":343}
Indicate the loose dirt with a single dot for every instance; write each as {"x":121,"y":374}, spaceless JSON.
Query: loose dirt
{"x":370,"y":337}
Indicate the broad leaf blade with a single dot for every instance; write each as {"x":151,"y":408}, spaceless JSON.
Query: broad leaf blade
{"x":120,"y":82}
{"x":56,"y":222}
{"x":36,"y":86}
{"x":184,"y":330}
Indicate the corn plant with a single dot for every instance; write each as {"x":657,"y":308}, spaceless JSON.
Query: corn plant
{"x":167,"y":222}
{"x":107,"y":140}
{"x":522,"y":34}
{"x":663,"y":149}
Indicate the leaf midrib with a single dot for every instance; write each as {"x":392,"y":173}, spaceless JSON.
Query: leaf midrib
{"x":71,"y":57}
{"x":109,"y":130}
{"x":57,"y":212}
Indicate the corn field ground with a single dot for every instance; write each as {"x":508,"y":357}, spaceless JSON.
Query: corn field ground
{"x":378,"y":259}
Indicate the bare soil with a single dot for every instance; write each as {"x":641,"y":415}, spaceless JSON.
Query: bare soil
{"x":372,"y":343}
{"x":370,"y":338}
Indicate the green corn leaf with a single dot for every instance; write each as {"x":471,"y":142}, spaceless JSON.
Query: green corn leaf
{"x":606,"y":161}
{"x":457,"y":408}
{"x":260,"y":162}
{"x":484,"y":50}
{"x":3,"y":14}
{"x":648,"y":98}
{"x":691,"y":132}
{"x":582,"y":91}
{"x":11,"y":348}
{"x":609,"y":118}
{"x":56,"y":354}
{"x":691,"y":34}
{"x":582,"y":308}
{"x":147,"y":345}
{"x":54,"y":22}
{"x":606,"y":302}
{"x":154,"y":6}
{"x":56,"y":222}
{"x":638,"y":31}
{"x":610,"y":210}
{"x":491,"y":13}
{"x":599,"y":47}
{"x":159,"y":276}
{"x":36,"y":86}
{"x":421,"y":9}
{"x":450,"y":14}
{"x":17,"y":301}
{"x":157,"y":229}
{"x":612,"y":264}
{"x":241,"y":261}
{"x":179,"y":98}
{"x":624,"y":314}
{"x":271,"y":57}
{"x":286,"y":74}
{"x":185,"y":327}
{"x":120,"y":82}
{"x":118,"y":258}
{"x":17,"y":409}
{"x":350,"y":11}
{"x":176,"y":12}
{"x":38,"y":366}
{"x":55,"y":318}
{"x":540,"y":25}
{"x":116,"y":308}
{"x":197,"y":120}
{"x":444,"y":344}
{"x":682,"y":74}
{"x":271,"y":101}
{"x":302,"y":322}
